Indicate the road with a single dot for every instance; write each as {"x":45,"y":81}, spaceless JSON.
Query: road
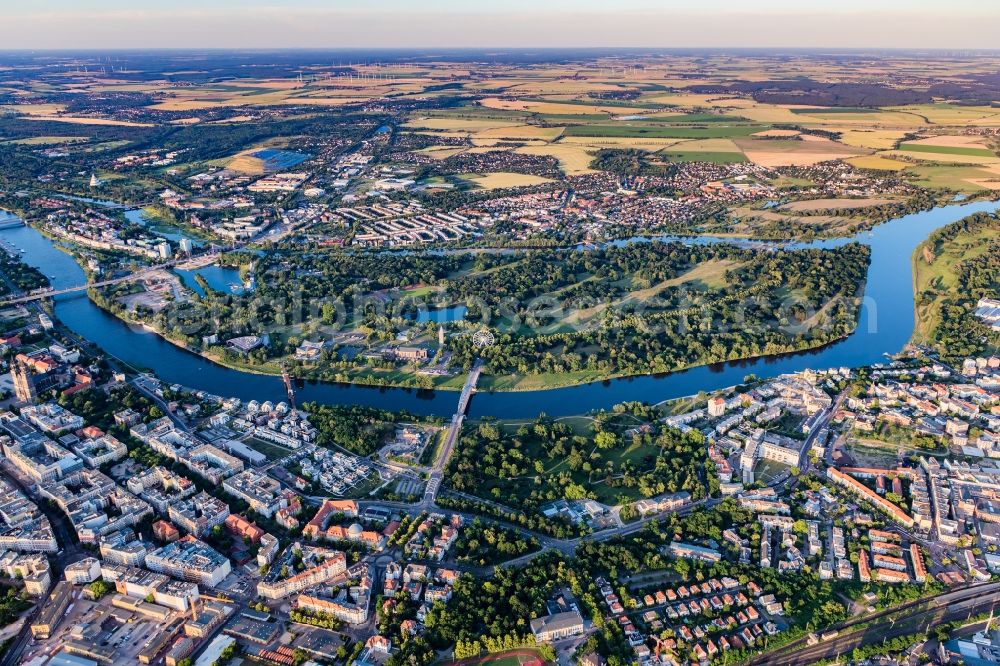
{"x":132,"y":277}
{"x":436,"y":473}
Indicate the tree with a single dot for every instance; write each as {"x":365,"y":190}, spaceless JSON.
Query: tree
{"x":605,"y":440}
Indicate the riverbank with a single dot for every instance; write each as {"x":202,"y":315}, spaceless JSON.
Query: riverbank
{"x":935,"y":275}
{"x":884,"y":327}
{"x":406,"y":379}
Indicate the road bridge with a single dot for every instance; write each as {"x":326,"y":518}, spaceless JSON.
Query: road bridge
{"x":451,"y":437}
{"x":132,"y":277}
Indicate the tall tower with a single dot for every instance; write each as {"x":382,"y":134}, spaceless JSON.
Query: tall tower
{"x":441,"y":335}
{"x":24,"y":385}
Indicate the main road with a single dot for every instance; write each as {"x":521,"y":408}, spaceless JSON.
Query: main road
{"x":436,"y":472}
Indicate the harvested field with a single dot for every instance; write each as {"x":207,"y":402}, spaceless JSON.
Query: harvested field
{"x":573,"y":160}
{"x":930,"y":155}
{"x":440,"y":152}
{"x":86,"y":120}
{"x":950,"y":140}
{"x":834,"y":204}
{"x":517,"y":132}
{"x":774,"y":153}
{"x":877,"y":139}
{"x":503,"y":179}
{"x":777,"y":133}
{"x":876,"y":162}
{"x":950,"y":114}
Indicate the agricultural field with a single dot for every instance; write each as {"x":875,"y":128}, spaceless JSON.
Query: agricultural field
{"x":309,"y":154}
{"x":500,"y":180}
{"x":833,"y":204}
{"x":650,"y":131}
{"x":686,"y":110}
{"x":876,"y":162}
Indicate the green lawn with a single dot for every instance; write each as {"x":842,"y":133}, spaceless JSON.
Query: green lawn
{"x":537,"y":382}
{"x":956,"y":178}
{"x":947,"y":150}
{"x":703,"y":156}
{"x":272,"y":451}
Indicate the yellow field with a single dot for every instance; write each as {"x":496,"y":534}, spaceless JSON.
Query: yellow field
{"x":943,"y":114}
{"x":86,"y":120}
{"x":441,"y":152}
{"x":521,"y":132}
{"x":321,"y":101}
{"x":944,"y":158}
{"x":570,"y":87}
{"x":34,"y":109}
{"x":986,"y":183}
{"x":876,"y":162}
{"x":503,"y":179}
{"x":692,"y":100}
{"x":777,"y":133}
{"x":573,"y":160}
{"x":246,"y":164}
{"x":877,"y":139}
{"x":811,"y":150}
{"x":234,"y":119}
{"x":952,"y":141}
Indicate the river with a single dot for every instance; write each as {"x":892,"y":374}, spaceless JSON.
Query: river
{"x":885,"y":326}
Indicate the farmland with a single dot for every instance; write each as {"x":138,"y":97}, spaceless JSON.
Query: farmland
{"x":316,"y":162}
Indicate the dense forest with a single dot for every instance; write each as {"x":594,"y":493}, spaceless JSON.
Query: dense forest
{"x":356,"y":428}
{"x":537,"y":464}
{"x":640,"y":308}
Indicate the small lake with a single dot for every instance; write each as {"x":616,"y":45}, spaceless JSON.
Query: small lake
{"x":441,"y":315}
{"x":219,"y":278}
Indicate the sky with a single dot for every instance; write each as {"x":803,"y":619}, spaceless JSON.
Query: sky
{"x":100,"y":24}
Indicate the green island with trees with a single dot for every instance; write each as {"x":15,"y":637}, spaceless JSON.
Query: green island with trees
{"x":559,"y":317}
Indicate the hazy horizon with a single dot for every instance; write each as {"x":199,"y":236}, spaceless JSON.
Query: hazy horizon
{"x":312,"y":24}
